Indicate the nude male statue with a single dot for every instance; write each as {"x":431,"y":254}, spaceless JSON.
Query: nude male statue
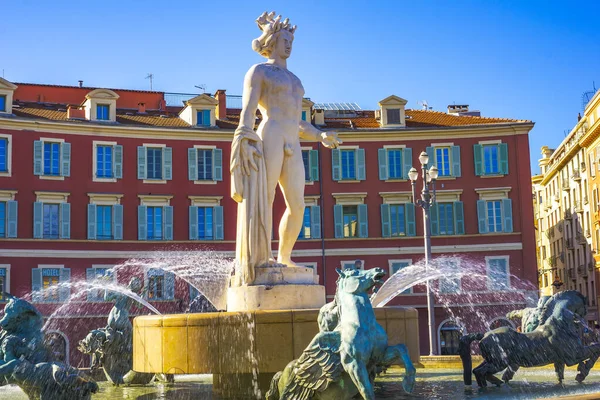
{"x":272,"y":155}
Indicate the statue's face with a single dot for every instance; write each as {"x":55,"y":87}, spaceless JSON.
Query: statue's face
{"x":283,"y":46}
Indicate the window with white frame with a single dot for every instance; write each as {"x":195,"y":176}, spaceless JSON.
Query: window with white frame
{"x":491,"y":158}
{"x":449,"y":285}
{"x":108,"y":161}
{"x":205,"y":164}
{"x":394,"y":162}
{"x":311,"y":223}
{"x":103,"y":112}
{"x":348,"y":164}
{"x":353,"y":264}
{"x":498,"y":273}
{"x":494,"y":210}
{"x":49,"y":283}
{"x":310,"y":158}
{"x":350,"y":215}
{"x":51,"y":158}
{"x":98,"y":276}
{"x":446,"y":157}
{"x":155,"y":163}
{"x":105,"y":217}
{"x":51,"y":216}
{"x":8,"y":214}
{"x":206,"y":218}
{"x":155,"y":218}
{"x":398,"y":265}
{"x":4,"y":281}
{"x":160,"y":284}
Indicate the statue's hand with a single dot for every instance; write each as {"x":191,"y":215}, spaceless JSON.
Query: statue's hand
{"x":330,"y":140}
{"x":248,"y":162}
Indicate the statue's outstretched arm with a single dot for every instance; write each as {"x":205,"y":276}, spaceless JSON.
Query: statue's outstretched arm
{"x":308,"y":132}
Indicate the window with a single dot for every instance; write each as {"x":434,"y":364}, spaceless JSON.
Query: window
{"x":497,"y":271}
{"x":450,"y":334}
{"x":446,"y":158}
{"x":2,"y":103}
{"x":155,"y":223}
{"x":51,"y":221}
{"x":155,"y":220}
{"x":495,"y":215}
{"x":350,"y":221}
{"x":154,"y":166}
{"x":155,"y":163}
{"x":3,"y":223}
{"x":160,"y":284}
{"x":206,"y":223}
{"x":205,"y":164}
{"x":348,"y":164}
{"x":355,"y":264}
{"x":442,"y":160}
{"x":104,"y":222}
{"x":108,"y":161}
{"x":311,"y":223}
{"x":99,"y":276}
{"x":449,"y":285}
{"x":203,"y":118}
{"x":398,"y":220}
{"x":50,"y":279}
{"x":45,"y":284}
{"x":310,"y":158}
{"x":393,"y":115}
{"x":3,"y":155}
{"x":394,"y":163}
{"x":491,"y":159}
{"x":103,"y":112}
{"x":396,"y":266}
{"x":447,"y":218}
{"x":4,"y":288}
{"x":104,"y":163}
{"x":306,"y":161}
{"x":51,"y":158}
{"x":304,"y":115}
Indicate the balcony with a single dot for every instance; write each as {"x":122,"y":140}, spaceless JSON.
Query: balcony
{"x":568,"y":214}
{"x":569,"y":244}
{"x":578,"y":206}
{"x":556,"y":197}
{"x":586,"y":201}
{"x":588,"y":233}
{"x":591,"y":266}
{"x":581,"y":269}
{"x":551,"y":261}
{"x":571,"y":274}
{"x":550,"y":232}
{"x":559,"y":226}
{"x":580,"y":238}
{"x":576,"y":175}
{"x":566,"y":185}
{"x":583,"y":167}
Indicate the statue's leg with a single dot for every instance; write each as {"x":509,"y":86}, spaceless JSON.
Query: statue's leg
{"x":393,"y":354}
{"x":559,"y":368}
{"x":479,"y":372}
{"x":292,"y":187}
{"x":273,"y":155}
{"x":592,"y":353}
{"x":360,"y":376}
{"x":510,"y":372}
{"x":485,"y":372}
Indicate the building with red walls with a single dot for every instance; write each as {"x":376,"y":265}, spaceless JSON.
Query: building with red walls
{"x":92,"y":177}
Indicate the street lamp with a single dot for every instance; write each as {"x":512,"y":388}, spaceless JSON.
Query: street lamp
{"x":426,"y":202}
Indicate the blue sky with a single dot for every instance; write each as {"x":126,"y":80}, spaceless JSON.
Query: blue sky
{"x":514,"y":59}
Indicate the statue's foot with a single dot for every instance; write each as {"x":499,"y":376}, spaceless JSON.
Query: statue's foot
{"x":579,"y":378}
{"x":288,"y":262}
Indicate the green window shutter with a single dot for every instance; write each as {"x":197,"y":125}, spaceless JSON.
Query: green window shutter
{"x":313,"y":162}
{"x":65,"y":220}
{"x":193,"y":164}
{"x":167,"y":153}
{"x":118,"y":161}
{"x":117,"y":210}
{"x":38,"y":154}
{"x":315,"y":222}
{"x":433,"y":220}
{"x":507,"y":215}
{"x":503,"y":150}
{"x":193,"y":223}
{"x":431,"y":153}
{"x":455,"y":161}
{"x":218,"y":222}
{"x":383,"y":167}
{"x":141,"y":161}
{"x":361,"y":173}
{"x":65,"y":149}
{"x":11,"y":218}
{"x":478,"y":157}
{"x":90,"y":276}
{"x":64,"y":291}
{"x":482,"y":216}
{"x":363,"y":221}
{"x":206,"y":117}
{"x":38,"y":219}
{"x":36,"y":284}
{"x":169,"y":286}
{"x":218,"y":164}
{"x":459,"y":218}
{"x":338,"y":219}
{"x":91,"y":221}
{"x":168,"y":222}
{"x":142,"y":223}
{"x":385,"y":220}
{"x":406,"y":162}
{"x":336,"y":164}
{"x":411,"y":226}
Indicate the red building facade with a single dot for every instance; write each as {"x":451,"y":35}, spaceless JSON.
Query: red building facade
{"x":94,"y":177}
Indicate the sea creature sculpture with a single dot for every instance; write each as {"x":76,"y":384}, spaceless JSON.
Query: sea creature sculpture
{"x":556,"y":340}
{"x":27,"y":362}
{"x":351,"y":348}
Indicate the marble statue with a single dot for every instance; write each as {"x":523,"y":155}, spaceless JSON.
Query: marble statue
{"x":28,"y":363}
{"x":343,"y":359}
{"x":270,"y":155}
{"x":556,"y":340}
{"x":111,"y":347}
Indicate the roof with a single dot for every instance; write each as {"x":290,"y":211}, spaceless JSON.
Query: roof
{"x":422,"y":118}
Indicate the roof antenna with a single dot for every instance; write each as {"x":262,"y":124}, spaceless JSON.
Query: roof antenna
{"x":202,"y":87}
{"x":151,"y":77}
{"x":424,"y":105}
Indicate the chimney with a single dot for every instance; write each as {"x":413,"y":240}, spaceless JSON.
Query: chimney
{"x":141,"y":108}
{"x":456,"y":109}
{"x":80,"y":83}
{"x":162,"y":105}
{"x":319,"y":117}
{"x":221,"y":97}
{"x":75,"y":112}
{"x":578,"y":117}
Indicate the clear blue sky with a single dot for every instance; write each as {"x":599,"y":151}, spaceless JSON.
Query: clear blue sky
{"x":513,"y":59}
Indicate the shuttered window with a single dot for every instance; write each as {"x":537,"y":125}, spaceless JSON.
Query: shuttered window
{"x":98,"y":277}
{"x":206,"y":223}
{"x":498,"y":274}
{"x":3,"y":155}
{"x":491,"y":159}
{"x":155,"y":223}
{"x":51,"y":158}
{"x":311,"y":223}
{"x":51,"y":221}
{"x":348,"y":164}
{"x":160,"y":284}
{"x":398,"y":220}
{"x":393,"y":115}
{"x":495,"y":216}
{"x":351,"y":221}
{"x":205,"y":164}
{"x":45,"y":284}
{"x":203,"y":117}
{"x":310,"y":158}
{"x":155,"y":163}
{"x":447,"y":218}
{"x":446,"y":159}
{"x":103,"y":112}
{"x":105,"y":222}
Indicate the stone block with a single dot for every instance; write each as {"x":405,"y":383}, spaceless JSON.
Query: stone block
{"x":278,"y":297}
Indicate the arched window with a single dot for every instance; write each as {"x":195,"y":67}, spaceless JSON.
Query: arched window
{"x":500,"y":322}
{"x":449,"y":335}
{"x":58,"y":345}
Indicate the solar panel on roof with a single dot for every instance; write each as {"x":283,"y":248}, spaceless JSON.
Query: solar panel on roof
{"x":337,"y":106}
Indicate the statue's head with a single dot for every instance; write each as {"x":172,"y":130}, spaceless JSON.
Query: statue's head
{"x":276,"y":38}
{"x":358,"y":281}
{"x":135,"y":285}
{"x":567,"y":306}
{"x":20,"y":316}
{"x":93,"y":342}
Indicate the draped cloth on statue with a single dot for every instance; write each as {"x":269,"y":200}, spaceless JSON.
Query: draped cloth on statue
{"x":253,"y":244}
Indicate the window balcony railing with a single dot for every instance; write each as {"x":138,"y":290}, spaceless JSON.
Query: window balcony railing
{"x":569,"y":244}
{"x":583,"y":167}
{"x":566,"y":185}
{"x":576,"y":175}
{"x":571,"y":274}
{"x":578,"y":206}
{"x":550,"y":232}
{"x":559,"y":226}
{"x":556,"y":197}
{"x":580,"y":269}
{"x":551,"y":261}
{"x":580,"y":237}
{"x":586,"y":201}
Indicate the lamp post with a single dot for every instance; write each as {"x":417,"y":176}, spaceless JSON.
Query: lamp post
{"x":426,"y":202}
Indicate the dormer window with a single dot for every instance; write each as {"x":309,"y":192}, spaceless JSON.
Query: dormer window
{"x":393,"y":115}
{"x":200,"y":111}
{"x":101,"y":105}
{"x":6,"y":96}
{"x":307,"y":106}
{"x":203,"y":118}
{"x":103,"y":112}
{"x":392,"y":112}
{"x":3,"y":103}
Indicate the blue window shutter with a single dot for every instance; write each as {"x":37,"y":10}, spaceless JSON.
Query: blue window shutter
{"x":193,"y":223}
{"x":38,"y":153}
{"x":459,"y":218}
{"x":90,"y":276}
{"x":218,"y":222}
{"x":169,"y":286}
{"x":64,"y":291}
{"x":313,"y":162}
{"x":91,"y":221}
{"x":218,"y":164}
{"x":363,"y":221}
{"x":206,"y":117}
{"x":482,"y":216}
{"x":65,"y":149}
{"x":338,"y":219}
{"x":167,"y":163}
{"x":38,"y":219}
{"x":315,"y":222}
{"x":433,"y":220}
{"x":431,"y":153}
{"x":456,"y":161}
{"x":383,"y":167}
{"x":361,"y":173}
{"x":478,"y":158}
{"x":406,"y":161}
{"x":142,"y":223}
{"x":304,"y":115}
{"x":118,"y":162}
{"x":193,"y":164}
{"x":507,"y":215}
{"x":65,"y":220}
{"x":12,"y":218}
{"x":336,"y":164}
{"x":36,"y":284}
{"x":168,"y":222}
{"x":117,"y":222}
{"x":411,"y":225}
{"x":385,"y":220}
{"x":503,"y":147}
{"x":141,"y":161}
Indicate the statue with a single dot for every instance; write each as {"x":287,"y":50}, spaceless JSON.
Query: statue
{"x":27,"y":362}
{"x":556,"y":340}
{"x":351,"y":348}
{"x":271,"y":155}
{"x":111,"y":347}
{"x":530,"y":317}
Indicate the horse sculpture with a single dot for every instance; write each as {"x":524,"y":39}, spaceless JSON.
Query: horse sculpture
{"x":351,"y":348}
{"x":556,"y":340}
